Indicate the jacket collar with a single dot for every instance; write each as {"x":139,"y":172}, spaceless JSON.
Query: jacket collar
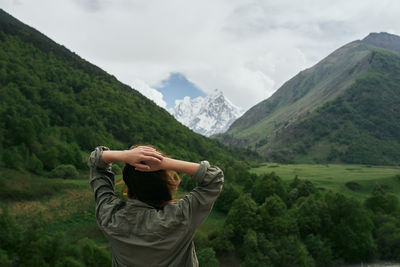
{"x":138,"y":203}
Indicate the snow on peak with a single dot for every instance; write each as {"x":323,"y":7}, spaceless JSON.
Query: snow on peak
{"x":206,"y":115}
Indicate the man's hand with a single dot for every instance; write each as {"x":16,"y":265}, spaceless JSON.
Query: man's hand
{"x":143,"y":158}
{"x":148,"y":159}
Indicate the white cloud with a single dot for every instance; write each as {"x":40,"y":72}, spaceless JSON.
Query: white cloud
{"x":149,"y":92}
{"x":245,"y":48}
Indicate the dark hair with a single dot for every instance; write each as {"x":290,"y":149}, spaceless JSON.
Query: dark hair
{"x":154,"y":188}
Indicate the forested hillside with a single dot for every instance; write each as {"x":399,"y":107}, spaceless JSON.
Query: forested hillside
{"x":53,"y":105}
{"x":344,"y":109}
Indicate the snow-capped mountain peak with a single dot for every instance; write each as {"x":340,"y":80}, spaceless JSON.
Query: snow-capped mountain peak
{"x":206,"y":115}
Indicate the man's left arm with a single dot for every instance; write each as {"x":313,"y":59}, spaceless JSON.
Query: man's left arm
{"x":102,"y":183}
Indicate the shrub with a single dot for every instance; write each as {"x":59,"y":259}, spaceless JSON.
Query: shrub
{"x":353,"y":186}
{"x":69,"y":262}
{"x":207,"y":258}
{"x":201,"y":240}
{"x":93,"y":255}
{"x":304,"y":187}
{"x":11,"y":159}
{"x":242,"y":216}
{"x":266,"y":186}
{"x":34,"y":164}
{"x":65,"y":171}
{"x":228,"y":195}
{"x":10,"y":233}
{"x":4,"y":260}
{"x":319,"y":249}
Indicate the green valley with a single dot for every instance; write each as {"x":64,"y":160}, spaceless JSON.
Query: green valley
{"x":349,"y":179}
{"x":55,"y":107}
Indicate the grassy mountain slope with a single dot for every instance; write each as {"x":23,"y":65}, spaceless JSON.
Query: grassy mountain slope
{"x":360,"y":126}
{"x":284,"y":127}
{"x":54,"y":105}
{"x":303,"y":93}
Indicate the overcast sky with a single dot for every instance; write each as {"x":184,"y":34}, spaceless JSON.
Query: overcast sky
{"x":245,"y":48}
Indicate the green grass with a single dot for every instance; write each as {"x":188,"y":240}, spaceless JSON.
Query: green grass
{"x":64,"y":205}
{"x":21,"y":185}
{"x":335,"y":176}
{"x":61,"y":205}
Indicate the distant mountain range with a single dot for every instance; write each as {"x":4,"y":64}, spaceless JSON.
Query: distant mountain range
{"x":206,"y":115}
{"x":346,"y":108}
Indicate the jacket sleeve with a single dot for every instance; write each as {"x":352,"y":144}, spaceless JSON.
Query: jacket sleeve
{"x":102,"y":183}
{"x":198,"y":203}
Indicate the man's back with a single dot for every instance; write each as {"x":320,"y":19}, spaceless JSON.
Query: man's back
{"x":145,"y":236}
{"x":141,"y":235}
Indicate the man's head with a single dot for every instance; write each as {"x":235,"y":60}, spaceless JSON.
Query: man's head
{"x":154,"y":188}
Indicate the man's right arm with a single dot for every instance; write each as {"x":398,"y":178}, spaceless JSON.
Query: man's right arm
{"x":198,"y":203}
{"x":186,"y":167}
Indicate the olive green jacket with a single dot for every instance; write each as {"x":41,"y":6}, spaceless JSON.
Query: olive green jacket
{"x":141,"y":235}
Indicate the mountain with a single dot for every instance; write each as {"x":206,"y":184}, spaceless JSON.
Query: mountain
{"x":343,"y":109}
{"x":383,"y":40}
{"x":206,"y":115}
{"x":56,"y":106}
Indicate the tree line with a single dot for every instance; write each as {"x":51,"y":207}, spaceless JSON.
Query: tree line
{"x":273,"y":223}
